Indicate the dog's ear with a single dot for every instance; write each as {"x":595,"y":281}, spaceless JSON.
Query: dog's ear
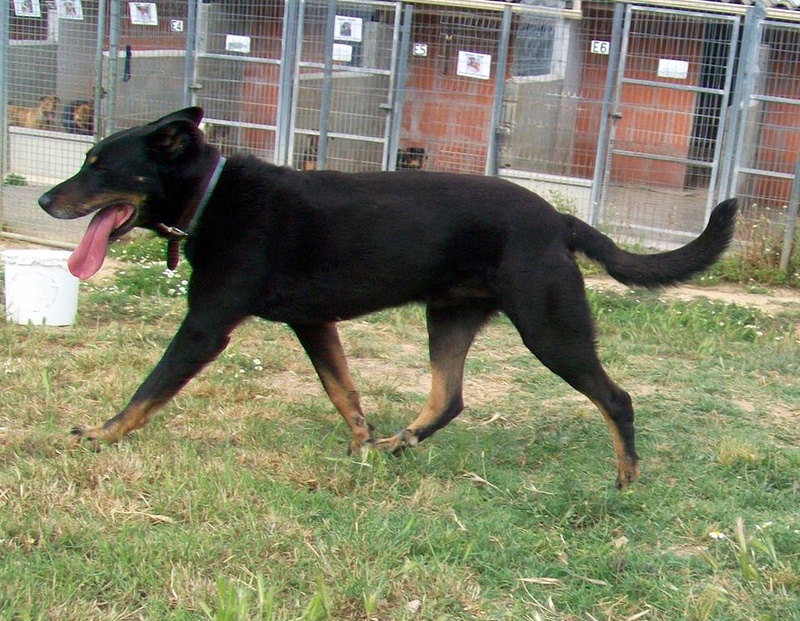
{"x":193,"y":115}
{"x":174,"y":139}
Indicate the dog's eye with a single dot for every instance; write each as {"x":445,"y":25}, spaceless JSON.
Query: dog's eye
{"x":97,"y":166}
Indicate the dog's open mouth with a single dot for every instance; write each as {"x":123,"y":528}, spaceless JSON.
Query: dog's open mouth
{"x":107,"y":225}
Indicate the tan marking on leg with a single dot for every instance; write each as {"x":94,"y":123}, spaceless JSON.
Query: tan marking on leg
{"x":445,"y":387}
{"x":324,"y":348}
{"x":342,"y":392}
{"x":134,"y":416}
{"x":627,"y":466}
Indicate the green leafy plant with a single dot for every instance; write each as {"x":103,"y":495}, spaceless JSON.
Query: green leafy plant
{"x":14,"y":179}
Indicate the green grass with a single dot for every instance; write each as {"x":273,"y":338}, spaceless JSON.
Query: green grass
{"x":239,"y":501}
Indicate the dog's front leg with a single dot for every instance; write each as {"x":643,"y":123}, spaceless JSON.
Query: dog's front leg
{"x":323,"y":346}
{"x":197,"y":342}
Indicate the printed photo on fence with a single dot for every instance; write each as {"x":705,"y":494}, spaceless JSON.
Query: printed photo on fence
{"x":27,"y":8}
{"x":474,"y":65}
{"x":69,"y":9}
{"x":143,"y":13}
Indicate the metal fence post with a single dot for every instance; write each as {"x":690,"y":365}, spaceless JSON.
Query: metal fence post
{"x":388,"y":161}
{"x":791,"y":218}
{"x":603,"y":140}
{"x":401,"y":74}
{"x":113,"y":67}
{"x":327,"y":86}
{"x":190,"y":53}
{"x":4,"y":54}
{"x":499,"y":93}
{"x":289,"y":56}
{"x":745,"y":83}
{"x":100,"y":46}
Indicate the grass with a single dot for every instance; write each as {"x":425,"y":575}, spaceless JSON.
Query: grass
{"x":239,"y":502}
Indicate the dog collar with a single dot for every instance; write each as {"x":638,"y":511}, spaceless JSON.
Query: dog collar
{"x":174,"y":234}
{"x":212,"y":184}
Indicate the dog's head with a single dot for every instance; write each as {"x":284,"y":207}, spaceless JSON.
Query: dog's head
{"x":83,"y":115}
{"x":142,"y":177}
{"x":47,"y":106}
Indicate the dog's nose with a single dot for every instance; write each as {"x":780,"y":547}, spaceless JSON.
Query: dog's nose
{"x":45,"y":201}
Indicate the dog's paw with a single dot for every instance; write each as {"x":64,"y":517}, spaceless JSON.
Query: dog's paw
{"x":627,"y":473}
{"x":92,"y":437}
{"x":398,"y":443}
{"x":361,"y":443}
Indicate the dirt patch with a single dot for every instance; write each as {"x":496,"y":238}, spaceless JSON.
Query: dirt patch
{"x":773,"y":302}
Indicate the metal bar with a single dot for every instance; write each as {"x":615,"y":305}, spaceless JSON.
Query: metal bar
{"x":295,"y":70}
{"x":327,"y":86}
{"x":400,"y":48}
{"x":190,"y":57}
{"x":5,"y":28}
{"x":692,"y":8}
{"x":285,"y":81}
{"x":632,"y":226}
{"x":100,"y":46}
{"x":765,"y":173}
{"x":745,"y":85}
{"x":494,"y":6}
{"x":342,"y":72}
{"x":113,"y":67}
{"x":619,"y":74}
{"x":243,"y":125}
{"x":244,"y":59}
{"x":662,"y":158}
{"x":673,"y":87}
{"x":596,"y":194}
{"x":791,"y":218}
{"x":773,"y":99}
{"x":499,"y":93}
{"x":717,"y":7}
{"x":401,"y":69}
{"x":733,"y":42}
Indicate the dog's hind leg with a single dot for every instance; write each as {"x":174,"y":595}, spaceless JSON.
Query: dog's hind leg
{"x":198,"y":341}
{"x":550,"y":310}
{"x":324,"y":348}
{"x":451,"y":330}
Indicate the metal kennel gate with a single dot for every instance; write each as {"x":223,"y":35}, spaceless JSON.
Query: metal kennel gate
{"x":665,"y":111}
{"x":309,"y":87}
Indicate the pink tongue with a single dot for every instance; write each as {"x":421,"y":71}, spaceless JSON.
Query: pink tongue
{"x":88,"y":257}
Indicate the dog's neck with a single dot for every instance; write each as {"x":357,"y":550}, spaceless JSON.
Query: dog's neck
{"x":188,"y":220}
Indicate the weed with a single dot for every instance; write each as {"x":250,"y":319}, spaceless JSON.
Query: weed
{"x":756,"y":253}
{"x":15,"y":180}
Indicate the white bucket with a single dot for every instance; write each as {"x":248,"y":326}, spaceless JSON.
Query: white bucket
{"x":39,"y":288}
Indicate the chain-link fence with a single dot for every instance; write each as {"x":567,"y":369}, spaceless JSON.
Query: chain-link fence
{"x":637,"y":118}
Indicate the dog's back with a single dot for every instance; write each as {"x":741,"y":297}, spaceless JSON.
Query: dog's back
{"x":41,"y":117}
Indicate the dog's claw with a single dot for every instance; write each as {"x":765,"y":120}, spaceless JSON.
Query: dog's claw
{"x":398,"y":443}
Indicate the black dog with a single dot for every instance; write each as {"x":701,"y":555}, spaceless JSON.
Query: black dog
{"x":313,"y":248}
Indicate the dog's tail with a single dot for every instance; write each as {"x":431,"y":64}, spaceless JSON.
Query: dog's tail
{"x":663,"y":268}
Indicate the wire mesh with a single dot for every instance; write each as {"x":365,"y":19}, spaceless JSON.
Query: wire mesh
{"x":238,"y":74}
{"x":343,"y":91}
{"x":51,"y":84}
{"x":321,"y":84}
{"x":670,"y":99}
{"x":450,"y":89}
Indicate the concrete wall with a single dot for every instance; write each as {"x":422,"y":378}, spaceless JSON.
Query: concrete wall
{"x":45,"y":156}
